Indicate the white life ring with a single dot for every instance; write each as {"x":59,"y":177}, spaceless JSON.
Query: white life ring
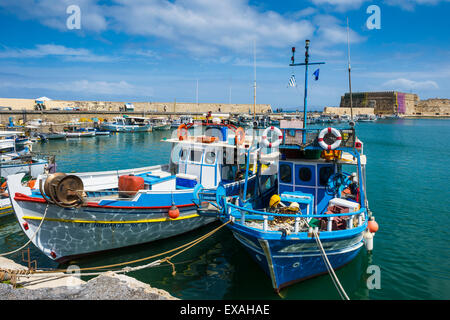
{"x":266,"y":141}
{"x":333,"y":131}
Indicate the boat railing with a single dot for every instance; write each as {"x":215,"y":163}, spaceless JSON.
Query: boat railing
{"x":293,"y":136}
{"x":243,"y":214}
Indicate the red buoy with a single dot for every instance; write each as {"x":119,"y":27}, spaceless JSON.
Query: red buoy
{"x":372,"y":225}
{"x":174,"y":212}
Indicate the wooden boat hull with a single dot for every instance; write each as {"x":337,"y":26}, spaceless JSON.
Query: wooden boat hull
{"x":289,"y":261}
{"x":93,"y":228}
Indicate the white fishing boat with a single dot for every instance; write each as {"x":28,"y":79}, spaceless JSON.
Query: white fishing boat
{"x":127,"y":124}
{"x":367,"y":118}
{"x":160,"y":123}
{"x":15,"y":163}
{"x":86,"y":213}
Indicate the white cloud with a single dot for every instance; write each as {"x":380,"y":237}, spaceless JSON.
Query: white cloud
{"x":117,"y":88}
{"x":53,"y":13}
{"x":44,"y":50}
{"x":406,"y":84}
{"x":411,"y":4}
{"x":340,"y":5}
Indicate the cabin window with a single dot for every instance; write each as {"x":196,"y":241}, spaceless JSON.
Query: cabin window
{"x":285,"y":173}
{"x":196,"y":155}
{"x":210,"y":157}
{"x":183,"y":154}
{"x":305,"y":174}
{"x":324,"y":175}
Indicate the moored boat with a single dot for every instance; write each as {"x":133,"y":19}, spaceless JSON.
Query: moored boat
{"x":115,"y":209}
{"x":127,"y":124}
{"x":319,"y":218}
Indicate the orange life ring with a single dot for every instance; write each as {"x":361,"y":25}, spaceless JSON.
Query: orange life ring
{"x":239,"y":136}
{"x":3,"y":186}
{"x":180,"y":135}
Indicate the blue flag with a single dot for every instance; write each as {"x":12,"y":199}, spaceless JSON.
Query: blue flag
{"x":316,"y":74}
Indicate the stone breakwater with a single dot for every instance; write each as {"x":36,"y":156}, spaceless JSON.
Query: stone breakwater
{"x":28,"y":104}
{"x":107,"y":286}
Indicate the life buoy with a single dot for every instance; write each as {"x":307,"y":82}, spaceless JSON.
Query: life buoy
{"x":239,"y":136}
{"x":182,"y":135}
{"x":334,"y":132}
{"x":266,"y":141}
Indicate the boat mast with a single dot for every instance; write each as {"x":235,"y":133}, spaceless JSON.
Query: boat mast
{"x":349,"y":75}
{"x":254,"y":82}
{"x":306,"y":81}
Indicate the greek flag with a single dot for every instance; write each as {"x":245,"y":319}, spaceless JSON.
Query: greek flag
{"x":292,"y":82}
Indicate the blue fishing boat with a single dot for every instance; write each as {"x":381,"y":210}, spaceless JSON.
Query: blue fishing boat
{"x":318,"y":219}
{"x":85,"y":213}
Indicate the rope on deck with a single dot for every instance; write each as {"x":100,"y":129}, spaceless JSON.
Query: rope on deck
{"x":333,"y":275}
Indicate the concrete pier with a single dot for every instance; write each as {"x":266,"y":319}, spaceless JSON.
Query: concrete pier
{"x":108,"y":286}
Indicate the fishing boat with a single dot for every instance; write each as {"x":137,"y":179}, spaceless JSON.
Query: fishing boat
{"x":127,"y":124}
{"x":367,"y":118}
{"x":75,"y":130}
{"x":16,"y":162}
{"x":160,"y":123}
{"x":52,"y":136}
{"x":86,"y":213}
{"x":319,"y":217}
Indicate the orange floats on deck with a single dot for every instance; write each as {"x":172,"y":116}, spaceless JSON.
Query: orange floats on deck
{"x":182,"y":132}
{"x":174,"y":212}
{"x":372,"y":225}
{"x":239,"y":136}
{"x":206,"y":139}
{"x":31,"y":184}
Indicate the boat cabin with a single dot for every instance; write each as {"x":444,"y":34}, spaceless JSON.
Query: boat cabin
{"x":308,"y":171}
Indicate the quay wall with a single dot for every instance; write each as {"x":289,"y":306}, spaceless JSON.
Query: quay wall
{"x":185,"y":107}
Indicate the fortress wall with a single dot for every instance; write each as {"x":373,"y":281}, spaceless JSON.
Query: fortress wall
{"x":340,"y":111}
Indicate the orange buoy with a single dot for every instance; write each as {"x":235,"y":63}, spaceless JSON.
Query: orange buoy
{"x":174,"y":212}
{"x":31,"y":184}
{"x":372,"y":225}
{"x":239,"y":136}
{"x":182,"y":132}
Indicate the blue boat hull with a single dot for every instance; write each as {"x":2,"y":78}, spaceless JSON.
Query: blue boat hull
{"x":289,"y":261}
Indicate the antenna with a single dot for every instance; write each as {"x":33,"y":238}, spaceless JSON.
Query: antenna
{"x":306,"y":64}
{"x":349,"y":75}
{"x":254,"y":83}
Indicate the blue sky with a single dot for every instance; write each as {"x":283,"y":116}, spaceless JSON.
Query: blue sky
{"x":156,"y":50}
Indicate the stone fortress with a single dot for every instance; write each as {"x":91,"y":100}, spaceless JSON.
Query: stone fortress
{"x":392,"y":102}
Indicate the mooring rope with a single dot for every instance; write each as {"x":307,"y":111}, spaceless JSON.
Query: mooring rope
{"x":333,"y":275}
{"x":183,"y":248}
{"x":31,"y":238}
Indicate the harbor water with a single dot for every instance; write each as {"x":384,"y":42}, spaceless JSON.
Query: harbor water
{"x":408,"y":192}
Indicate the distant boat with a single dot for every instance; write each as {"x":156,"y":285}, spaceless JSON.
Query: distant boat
{"x":160,"y":123}
{"x":53,"y":135}
{"x":127,"y":124}
{"x":74,"y":130}
{"x":367,"y":118}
